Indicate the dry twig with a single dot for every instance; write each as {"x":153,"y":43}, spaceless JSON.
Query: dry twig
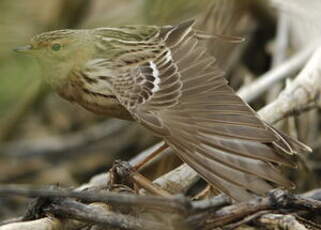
{"x":288,"y":68}
{"x":286,"y":222}
{"x":205,"y":214}
{"x":303,"y":91}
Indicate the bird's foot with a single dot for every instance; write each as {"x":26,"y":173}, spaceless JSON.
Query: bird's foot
{"x":123,"y":173}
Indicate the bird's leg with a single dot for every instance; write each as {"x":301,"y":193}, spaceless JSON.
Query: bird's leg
{"x":208,"y":191}
{"x":123,"y":173}
{"x":150,"y":156}
{"x":145,"y":183}
{"x":204,"y":193}
{"x":120,"y":175}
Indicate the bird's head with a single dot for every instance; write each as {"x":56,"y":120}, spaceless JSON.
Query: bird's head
{"x":59,"y":51}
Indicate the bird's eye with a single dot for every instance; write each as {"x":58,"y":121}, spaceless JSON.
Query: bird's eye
{"x":56,"y":47}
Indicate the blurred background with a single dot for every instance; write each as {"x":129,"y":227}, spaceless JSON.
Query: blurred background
{"x":45,"y":140}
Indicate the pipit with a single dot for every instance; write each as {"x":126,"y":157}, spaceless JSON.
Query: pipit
{"x":163,"y":77}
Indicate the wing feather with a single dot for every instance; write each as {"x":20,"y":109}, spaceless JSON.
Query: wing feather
{"x":191,"y":106}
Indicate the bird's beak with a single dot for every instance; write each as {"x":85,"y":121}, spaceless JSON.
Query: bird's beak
{"x":23,"y":49}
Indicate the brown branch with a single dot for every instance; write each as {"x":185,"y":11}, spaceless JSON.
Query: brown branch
{"x":245,"y":220}
{"x":99,"y":215}
{"x":153,"y":202}
{"x":205,"y":214}
{"x":276,"y":200}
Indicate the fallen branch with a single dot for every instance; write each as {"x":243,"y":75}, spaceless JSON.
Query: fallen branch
{"x":205,"y":214}
{"x":304,"y":90}
{"x":285,"y":222}
{"x":276,"y":200}
{"x":286,"y":69}
{"x":46,"y":223}
{"x":153,"y":202}
{"x":99,"y":214}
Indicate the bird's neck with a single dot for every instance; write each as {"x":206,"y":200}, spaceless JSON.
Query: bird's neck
{"x":55,"y":77}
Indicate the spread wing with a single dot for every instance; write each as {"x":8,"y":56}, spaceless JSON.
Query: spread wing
{"x":180,"y":93}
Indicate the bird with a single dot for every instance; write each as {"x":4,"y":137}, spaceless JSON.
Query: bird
{"x":164,"y":78}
